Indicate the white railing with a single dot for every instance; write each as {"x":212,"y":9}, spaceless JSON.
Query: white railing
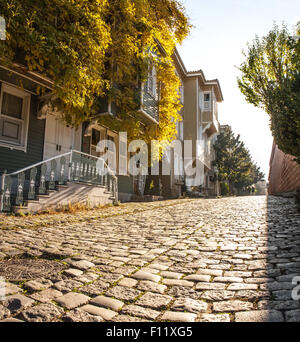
{"x":39,"y":178}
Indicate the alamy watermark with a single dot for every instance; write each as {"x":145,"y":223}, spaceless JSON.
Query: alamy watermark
{"x":139,"y":158}
{"x":296,"y":289}
{"x":2,"y":289}
{"x":2,"y":28}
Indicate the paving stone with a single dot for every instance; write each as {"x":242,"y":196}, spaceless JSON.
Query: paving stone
{"x":173,"y":316}
{"x":149,"y":270}
{"x":111,"y":277}
{"x":82,"y":264}
{"x":190,"y":305}
{"x":217,"y":295}
{"x":128,"y":282}
{"x":11,"y":320}
{"x":154,"y":300}
{"x":171,"y":275}
{"x":278,"y":305}
{"x":67,"y":285}
{"x":276,"y":286}
{"x":46,"y":295}
{"x":94,"y":289}
{"x":232,"y":305}
{"x":42,"y":313}
{"x":239,"y":274}
{"x":176,"y":282}
{"x":181,"y":291}
{"x":214,"y":318}
{"x":239,"y":286}
{"x":227,"y":238}
{"x":228,"y":280}
{"x":259,"y":316}
{"x":257,"y":280}
{"x":292,"y":316}
{"x":73,"y":272}
{"x":106,"y":314}
{"x":123,"y":293}
{"x":159,"y":267}
{"x":79,"y":315}
{"x":139,"y":311}
{"x":140,"y":275}
{"x":210,"y":286}
{"x":12,"y":289}
{"x":17,"y":302}
{"x":251,"y":295}
{"x":282,"y":295}
{"x":215,"y":273}
{"x":72,"y":300}
{"x":87,"y":277}
{"x":4,"y":312}
{"x":145,"y":285}
{"x":38,"y":284}
{"x":198,"y":278}
{"x":127,"y":318}
{"x":107,"y":302}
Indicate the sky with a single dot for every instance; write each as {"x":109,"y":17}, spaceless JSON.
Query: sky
{"x":221,"y":30}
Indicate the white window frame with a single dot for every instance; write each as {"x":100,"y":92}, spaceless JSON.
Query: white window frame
{"x":207,"y":104}
{"x":5,"y":88}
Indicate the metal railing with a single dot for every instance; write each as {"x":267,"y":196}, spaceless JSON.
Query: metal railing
{"x":40,"y":178}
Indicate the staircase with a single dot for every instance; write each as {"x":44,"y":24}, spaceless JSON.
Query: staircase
{"x":70,"y":178}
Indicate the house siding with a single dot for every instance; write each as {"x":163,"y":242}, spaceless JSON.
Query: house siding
{"x":13,"y":160}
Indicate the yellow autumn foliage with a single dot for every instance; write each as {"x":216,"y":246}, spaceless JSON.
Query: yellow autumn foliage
{"x":100,"y":48}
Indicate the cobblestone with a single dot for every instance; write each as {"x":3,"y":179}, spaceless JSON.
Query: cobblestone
{"x":72,"y":300}
{"x":42,"y":313}
{"x":206,"y":260}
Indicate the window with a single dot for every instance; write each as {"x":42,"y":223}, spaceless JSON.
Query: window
{"x":207,"y":101}
{"x":207,"y":97}
{"x":14,"y":117}
{"x":95,"y":137}
{"x":110,"y":143}
{"x":151,"y":81}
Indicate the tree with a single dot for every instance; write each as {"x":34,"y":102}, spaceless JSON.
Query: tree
{"x":271,"y":80}
{"x":97,"y":48}
{"x":234,"y":162}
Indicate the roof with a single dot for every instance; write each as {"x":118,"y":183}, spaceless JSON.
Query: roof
{"x":199,"y":73}
{"x":215,"y":83}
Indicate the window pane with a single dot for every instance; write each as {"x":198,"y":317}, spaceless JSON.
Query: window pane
{"x":95,"y":137}
{"x":12,"y":106}
{"x":110,"y":143}
{"x":206,"y":97}
{"x":10,"y":131}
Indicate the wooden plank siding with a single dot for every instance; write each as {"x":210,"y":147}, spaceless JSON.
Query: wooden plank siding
{"x":12,"y":159}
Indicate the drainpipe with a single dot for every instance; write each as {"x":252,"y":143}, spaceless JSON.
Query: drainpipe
{"x":2,"y":190}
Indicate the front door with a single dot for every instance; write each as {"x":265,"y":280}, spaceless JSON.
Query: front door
{"x":58,"y":137}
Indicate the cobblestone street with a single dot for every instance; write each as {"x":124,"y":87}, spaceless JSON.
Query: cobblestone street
{"x":203,"y":260}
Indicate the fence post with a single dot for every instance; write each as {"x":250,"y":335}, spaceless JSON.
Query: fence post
{"x":2,"y":189}
{"x":70,"y":166}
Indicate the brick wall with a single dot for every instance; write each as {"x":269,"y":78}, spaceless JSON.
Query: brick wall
{"x":284,"y":172}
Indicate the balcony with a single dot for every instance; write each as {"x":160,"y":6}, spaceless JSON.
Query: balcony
{"x":146,"y":105}
{"x":148,"y":112}
{"x":210,"y":118}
